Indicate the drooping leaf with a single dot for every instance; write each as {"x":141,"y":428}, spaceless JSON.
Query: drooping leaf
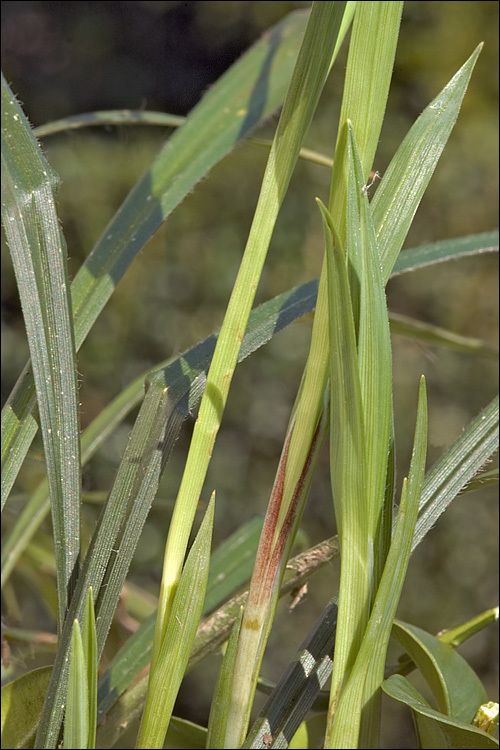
{"x":436,"y":731}
{"x":456,"y":687}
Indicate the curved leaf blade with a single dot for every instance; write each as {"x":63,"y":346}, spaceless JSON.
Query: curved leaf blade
{"x":455,"y":686}
{"x":436,"y":731}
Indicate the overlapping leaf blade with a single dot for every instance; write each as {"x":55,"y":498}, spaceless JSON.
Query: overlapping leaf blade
{"x":169,"y":669}
{"x":38,"y":251}
{"x":248,"y":93}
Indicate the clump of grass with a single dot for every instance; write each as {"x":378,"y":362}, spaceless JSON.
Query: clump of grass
{"x":345,"y":394}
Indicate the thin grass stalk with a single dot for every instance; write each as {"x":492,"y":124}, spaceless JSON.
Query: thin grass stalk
{"x":167,"y":673}
{"x":348,"y":466}
{"x":307,"y":82}
{"x":352,"y":723}
{"x":369,"y":69}
{"x":309,"y":402}
{"x":274,"y":549}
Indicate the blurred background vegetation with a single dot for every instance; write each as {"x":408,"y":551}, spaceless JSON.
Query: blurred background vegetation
{"x":67,"y":58}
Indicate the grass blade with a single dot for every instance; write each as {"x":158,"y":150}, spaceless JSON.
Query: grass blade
{"x":76,"y":724}
{"x":401,"y":188}
{"x":38,"y":251}
{"x":244,"y":96}
{"x":89,"y":642}
{"x":431,"y":335}
{"x":438,"y":252}
{"x":463,"y":459}
{"x":219,"y":710}
{"x":22,"y":701}
{"x":312,"y":67}
{"x":347,"y":459}
{"x":346,"y":727}
{"x":374,"y":357}
{"x":166,"y":675}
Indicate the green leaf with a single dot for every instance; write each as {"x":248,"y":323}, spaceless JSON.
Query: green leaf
{"x":185,"y":735}
{"x":232,"y":563}
{"x":167,"y":672}
{"x":233,"y":560}
{"x":38,"y":250}
{"x":436,"y":730}
{"x":434,"y":336}
{"x":219,"y":708}
{"x":89,"y":642}
{"x":244,"y":96}
{"x":405,"y":180}
{"x":374,"y":354}
{"x":438,"y":252}
{"x":455,"y":686}
{"x":347,"y":454}
{"x":22,"y":702}
{"x":265,"y":321}
{"x":76,"y":722}
{"x":450,"y":474}
{"x":354,"y":723}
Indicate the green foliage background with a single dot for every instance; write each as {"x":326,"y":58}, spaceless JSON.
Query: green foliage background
{"x":63,"y":59}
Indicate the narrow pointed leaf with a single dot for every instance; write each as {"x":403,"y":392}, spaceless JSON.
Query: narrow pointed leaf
{"x":435,"y":336}
{"x":438,"y":252}
{"x":76,"y":722}
{"x":347,"y":454}
{"x":363,"y":686}
{"x":167,"y":673}
{"x":374,"y":349}
{"x":219,"y":710}
{"x":405,"y":181}
{"x":38,"y":250}
{"x":89,"y":642}
{"x":450,"y":474}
